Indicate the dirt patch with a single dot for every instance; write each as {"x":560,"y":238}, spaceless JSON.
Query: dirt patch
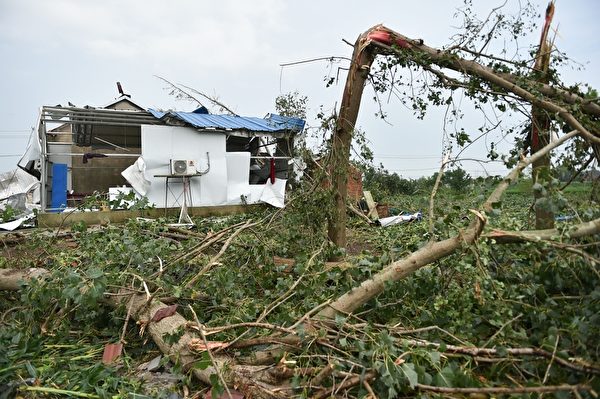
{"x":357,"y":244}
{"x":19,"y":250}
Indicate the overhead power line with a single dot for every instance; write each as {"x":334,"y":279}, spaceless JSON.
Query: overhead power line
{"x":407,"y":156}
{"x":411,"y":170}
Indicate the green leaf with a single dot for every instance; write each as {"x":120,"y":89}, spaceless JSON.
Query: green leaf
{"x":435,"y":358}
{"x":203,"y":363}
{"x":444,"y":378}
{"x":409,"y":371}
{"x":501,"y":351}
{"x":217,"y":389}
{"x":95,"y":273}
{"x":31,"y":370}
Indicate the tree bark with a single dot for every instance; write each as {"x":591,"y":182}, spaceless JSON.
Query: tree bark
{"x":254,"y":381}
{"x":362,"y":58}
{"x":11,"y":279}
{"x":540,"y":132}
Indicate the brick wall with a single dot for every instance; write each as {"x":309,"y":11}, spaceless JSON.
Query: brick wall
{"x":355,"y":187}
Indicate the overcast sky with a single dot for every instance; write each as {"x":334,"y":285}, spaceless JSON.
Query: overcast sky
{"x":70,"y":50}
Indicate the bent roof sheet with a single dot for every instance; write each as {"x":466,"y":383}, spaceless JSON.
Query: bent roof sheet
{"x":270,"y":124}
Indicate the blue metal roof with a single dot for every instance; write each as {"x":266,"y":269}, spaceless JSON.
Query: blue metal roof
{"x":270,"y":124}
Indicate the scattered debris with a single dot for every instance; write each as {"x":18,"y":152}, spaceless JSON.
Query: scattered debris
{"x":111,"y":353}
{"x":154,"y":364}
{"x":232,"y":394}
{"x":404,"y":218}
{"x":18,"y":193}
{"x":164,"y":312}
{"x":564,"y":218}
{"x":24,"y":221}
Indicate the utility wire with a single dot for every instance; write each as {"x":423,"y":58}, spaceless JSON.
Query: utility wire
{"x":407,"y":156}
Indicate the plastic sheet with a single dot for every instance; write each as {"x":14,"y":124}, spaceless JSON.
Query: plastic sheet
{"x":405,"y":218}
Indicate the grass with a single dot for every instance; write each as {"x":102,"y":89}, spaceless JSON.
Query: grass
{"x":523,"y":186}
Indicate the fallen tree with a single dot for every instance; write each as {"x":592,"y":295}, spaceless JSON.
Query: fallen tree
{"x":331,"y":350}
{"x":254,"y":380}
{"x":435,"y":251}
{"x":381,"y":40}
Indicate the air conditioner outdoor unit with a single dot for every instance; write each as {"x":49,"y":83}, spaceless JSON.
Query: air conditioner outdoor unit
{"x":183,"y":167}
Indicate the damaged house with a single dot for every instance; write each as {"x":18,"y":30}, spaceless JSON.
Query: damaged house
{"x":170,"y":157}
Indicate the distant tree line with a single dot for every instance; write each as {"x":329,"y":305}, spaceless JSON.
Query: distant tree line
{"x":382,"y":183}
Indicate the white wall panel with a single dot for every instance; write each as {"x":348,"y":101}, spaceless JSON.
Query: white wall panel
{"x":238,"y":174}
{"x":160,"y":144}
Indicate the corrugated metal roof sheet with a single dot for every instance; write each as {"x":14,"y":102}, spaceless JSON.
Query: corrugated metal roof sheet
{"x":270,"y":124}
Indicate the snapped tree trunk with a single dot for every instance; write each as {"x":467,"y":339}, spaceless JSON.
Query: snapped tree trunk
{"x":382,"y":40}
{"x":362,"y":58}
{"x":540,"y":133}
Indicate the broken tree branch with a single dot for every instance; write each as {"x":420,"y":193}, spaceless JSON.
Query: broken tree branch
{"x":214,"y":259}
{"x":212,"y":358}
{"x":11,"y":279}
{"x":382,"y":40}
{"x":261,"y":382}
{"x":434,"y":190}
{"x":403,"y":44}
{"x":505,"y":390}
{"x":181,"y":93}
{"x":208,"y":240}
{"x":348,"y":383}
{"x":253,"y":380}
{"x":577,"y":231}
{"x":432,"y":251}
{"x":490,"y":352}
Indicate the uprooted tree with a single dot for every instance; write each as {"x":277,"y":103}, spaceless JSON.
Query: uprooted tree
{"x":331,"y":349}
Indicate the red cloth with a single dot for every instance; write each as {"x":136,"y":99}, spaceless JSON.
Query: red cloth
{"x":272,"y":171}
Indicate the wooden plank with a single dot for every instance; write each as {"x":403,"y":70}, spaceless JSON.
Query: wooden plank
{"x":103,"y":217}
{"x":359,"y":213}
{"x":372,"y":206}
